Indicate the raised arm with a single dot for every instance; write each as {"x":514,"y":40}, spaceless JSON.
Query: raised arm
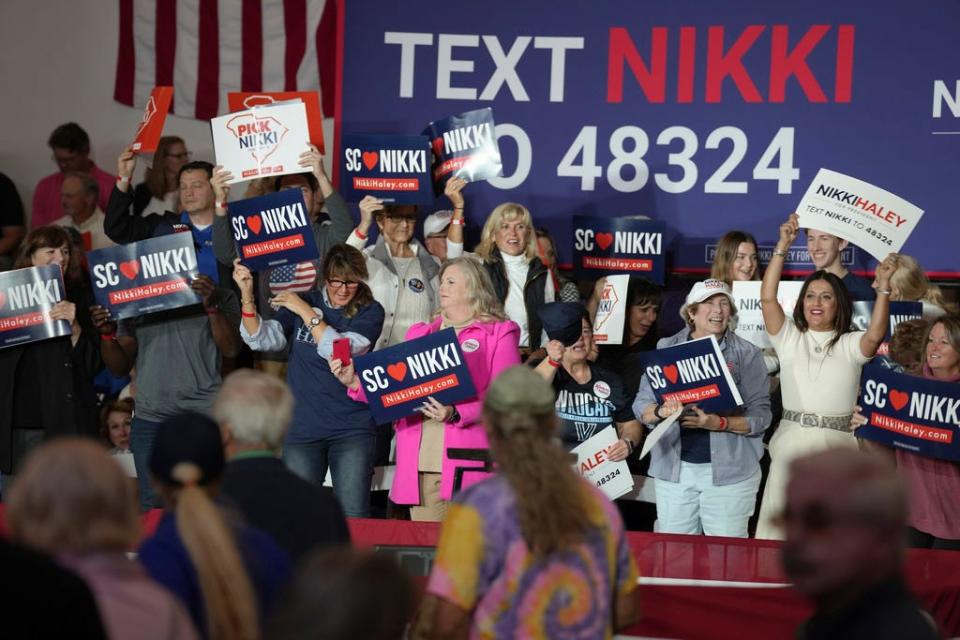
{"x":118,"y":223}
{"x":880,"y":319}
{"x":224,"y":247}
{"x":773,"y":316}
{"x":454,"y":191}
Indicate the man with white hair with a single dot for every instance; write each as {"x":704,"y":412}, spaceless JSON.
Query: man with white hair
{"x":254,"y":411}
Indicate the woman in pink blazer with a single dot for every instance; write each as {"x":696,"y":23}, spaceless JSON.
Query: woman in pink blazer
{"x":424,"y":473}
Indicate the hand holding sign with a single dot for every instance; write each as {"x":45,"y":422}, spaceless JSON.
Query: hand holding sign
{"x":885,"y":269}
{"x":788,"y":232}
{"x":220,"y":181}
{"x":126,"y":163}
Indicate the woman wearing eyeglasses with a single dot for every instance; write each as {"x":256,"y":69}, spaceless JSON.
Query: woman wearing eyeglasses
{"x":160,"y":190}
{"x":403,"y":274}
{"x":328,"y":429}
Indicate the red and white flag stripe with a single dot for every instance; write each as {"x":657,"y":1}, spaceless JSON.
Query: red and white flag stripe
{"x":207,"y":48}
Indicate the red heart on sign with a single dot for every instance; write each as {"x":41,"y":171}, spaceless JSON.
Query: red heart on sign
{"x":899,"y":399}
{"x":255,"y":224}
{"x":437,"y":145}
{"x":130,"y":269}
{"x":3,"y":299}
{"x":604,"y":240}
{"x":671,"y":372}
{"x":370,"y":159}
{"x":397,"y":370}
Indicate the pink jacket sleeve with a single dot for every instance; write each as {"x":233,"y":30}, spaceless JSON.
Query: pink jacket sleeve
{"x":358,"y":394}
{"x":503,"y":352}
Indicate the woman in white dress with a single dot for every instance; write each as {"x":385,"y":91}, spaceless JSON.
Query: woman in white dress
{"x":820,"y":363}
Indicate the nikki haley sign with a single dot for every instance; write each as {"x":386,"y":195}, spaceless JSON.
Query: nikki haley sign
{"x":144,"y":277}
{"x":395,"y":169}
{"x":705,"y":116}
{"x":398,"y":379}
{"x":273,"y":230}
{"x":693,"y":372}
{"x":26,"y":298}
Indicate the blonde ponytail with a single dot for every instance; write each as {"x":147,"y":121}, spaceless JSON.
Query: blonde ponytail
{"x":228,"y":594}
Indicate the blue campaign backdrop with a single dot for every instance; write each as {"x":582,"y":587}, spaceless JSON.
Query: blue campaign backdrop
{"x":707,"y":116}
{"x":26,"y":298}
{"x":910,"y":412}
{"x":397,"y":380}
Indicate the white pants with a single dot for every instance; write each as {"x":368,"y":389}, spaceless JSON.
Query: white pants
{"x":695,"y":505}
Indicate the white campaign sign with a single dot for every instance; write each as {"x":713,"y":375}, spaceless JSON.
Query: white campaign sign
{"x":750,"y":325}
{"x":873,"y":219}
{"x":658,"y":431}
{"x":612,"y":311}
{"x":613,"y":478}
{"x":263,"y":141}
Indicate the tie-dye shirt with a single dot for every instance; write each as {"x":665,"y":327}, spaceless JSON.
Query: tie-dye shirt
{"x":484,"y":566}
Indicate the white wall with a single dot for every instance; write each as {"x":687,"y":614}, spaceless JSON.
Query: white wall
{"x":58,"y":59}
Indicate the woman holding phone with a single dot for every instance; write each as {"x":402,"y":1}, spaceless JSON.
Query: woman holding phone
{"x":424,"y":477}
{"x":329,"y":429}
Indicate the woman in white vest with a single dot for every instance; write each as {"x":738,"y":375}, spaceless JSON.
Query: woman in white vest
{"x":403,"y":274}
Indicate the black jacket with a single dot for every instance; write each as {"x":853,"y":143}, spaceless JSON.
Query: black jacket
{"x":123,"y":227}
{"x":299,"y":515}
{"x":68,"y":401}
{"x":534,"y":291}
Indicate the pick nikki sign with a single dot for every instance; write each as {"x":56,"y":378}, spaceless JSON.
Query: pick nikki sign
{"x":145,"y":277}
{"x":273,"y":230}
{"x":395,"y":169}
{"x":628,"y":245}
{"x":26,"y":298}
{"x":910,"y":413}
{"x":240,"y":100}
{"x":464,"y":146}
{"x":264,"y":141}
{"x":693,"y":372}
{"x":398,"y":379}
{"x":154,"y":116}
{"x":871,"y":218}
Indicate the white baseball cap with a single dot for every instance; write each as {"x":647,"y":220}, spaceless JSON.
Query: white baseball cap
{"x":436,"y":222}
{"x":706,"y":289}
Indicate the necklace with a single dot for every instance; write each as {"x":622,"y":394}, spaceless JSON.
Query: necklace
{"x":818,"y":346}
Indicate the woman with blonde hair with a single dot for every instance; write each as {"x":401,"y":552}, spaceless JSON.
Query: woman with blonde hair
{"x":909,"y":282}
{"x":160,"y":190}
{"x":534,"y":551}
{"x":227,"y":574}
{"x":521,"y":282}
{"x":424,"y":472}
{"x":72,"y":502}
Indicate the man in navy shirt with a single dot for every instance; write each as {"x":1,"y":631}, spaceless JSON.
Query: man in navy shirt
{"x":825,"y":250}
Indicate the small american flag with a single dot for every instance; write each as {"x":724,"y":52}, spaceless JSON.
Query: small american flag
{"x":298,"y":278}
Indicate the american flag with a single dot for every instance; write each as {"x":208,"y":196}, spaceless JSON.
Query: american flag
{"x":206,"y":48}
{"x":298,"y":278}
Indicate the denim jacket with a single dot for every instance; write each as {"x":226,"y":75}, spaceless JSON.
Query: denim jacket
{"x":734,"y":457}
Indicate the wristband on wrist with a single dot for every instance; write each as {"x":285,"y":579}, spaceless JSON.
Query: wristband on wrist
{"x":630,"y":445}
{"x":360,"y":234}
{"x":458,"y":221}
{"x":246,"y":302}
{"x":108,"y":337}
{"x":458,"y":208}
{"x":778,"y":252}
{"x":212,"y":311}
{"x":885,"y":292}
{"x":222,"y":205}
{"x":553,"y":363}
{"x":656,"y":412}
{"x":248,"y":315}
{"x":723,"y":424}
{"x":123,"y":181}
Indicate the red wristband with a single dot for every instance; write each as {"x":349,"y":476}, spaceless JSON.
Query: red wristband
{"x":108,"y":337}
{"x":552,"y":362}
{"x":360,"y":234}
{"x":211,"y":311}
{"x":248,"y":315}
{"x":458,"y":221}
{"x":723,"y":424}
{"x":222,"y":205}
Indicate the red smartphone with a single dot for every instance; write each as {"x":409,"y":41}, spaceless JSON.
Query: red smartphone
{"x":341,"y":350}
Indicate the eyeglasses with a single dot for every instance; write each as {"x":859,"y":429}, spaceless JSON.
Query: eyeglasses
{"x":340,"y":284}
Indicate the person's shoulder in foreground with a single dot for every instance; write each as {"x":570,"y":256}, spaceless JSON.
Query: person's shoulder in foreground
{"x":42,"y":600}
